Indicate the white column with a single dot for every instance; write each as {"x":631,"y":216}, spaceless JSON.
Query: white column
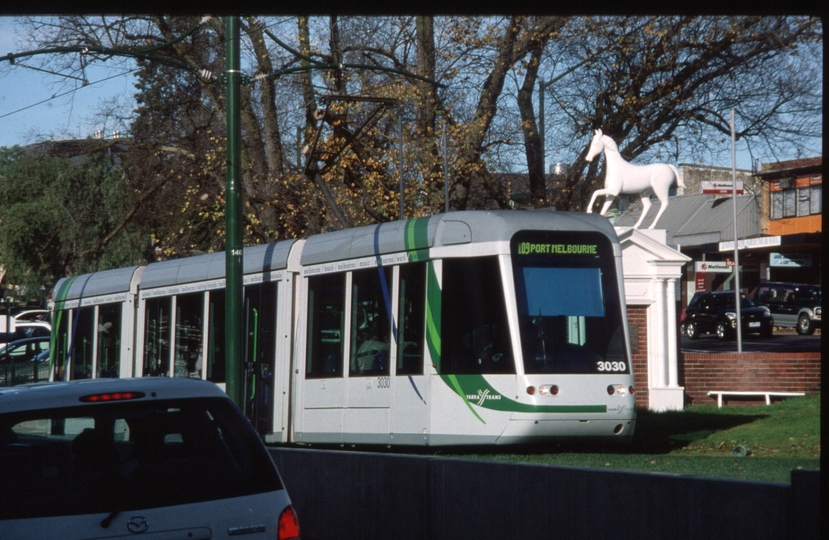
{"x":659,"y":293}
{"x":672,"y":347}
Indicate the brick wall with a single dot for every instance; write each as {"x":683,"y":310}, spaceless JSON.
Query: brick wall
{"x":638,"y":324}
{"x":701,"y":373}
{"x":782,"y":372}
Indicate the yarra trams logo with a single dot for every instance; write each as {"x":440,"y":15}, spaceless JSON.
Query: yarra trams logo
{"x":481,"y":397}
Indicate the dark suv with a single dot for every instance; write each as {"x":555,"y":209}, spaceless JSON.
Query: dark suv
{"x":793,"y":305}
{"x":715,"y":312}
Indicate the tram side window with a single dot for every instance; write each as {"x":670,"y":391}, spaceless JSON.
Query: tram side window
{"x":109,"y":340}
{"x":326,"y":319}
{"x":474,"y":327}
{"x":370,"y":322}
{"x":189,"y":330}
{"x":157,"y":336}
{"x":82,"y":343}
{"x":412,"y":320}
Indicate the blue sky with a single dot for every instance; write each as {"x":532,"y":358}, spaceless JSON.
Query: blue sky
{"x":28,"y":110}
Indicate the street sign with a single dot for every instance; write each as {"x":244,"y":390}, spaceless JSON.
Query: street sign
{"x":790,"y":260}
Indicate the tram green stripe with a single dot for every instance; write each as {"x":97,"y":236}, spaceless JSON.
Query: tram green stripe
{"x":60,"y":302}
{"x":417,"y":234}
{"x":433,"y":309}
{"x":454,"y":383}
{"x":416,"y":238}
{"x":475,"y":390}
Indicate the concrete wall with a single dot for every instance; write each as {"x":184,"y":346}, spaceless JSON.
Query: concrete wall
{"x":346,"y":495}
{"x":701,"y":373}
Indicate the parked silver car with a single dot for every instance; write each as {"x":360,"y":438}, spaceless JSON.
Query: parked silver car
{"x":793,"y":305}
{"x":155,"y":457}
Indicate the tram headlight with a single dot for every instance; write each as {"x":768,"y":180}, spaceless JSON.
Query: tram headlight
{"x":620,"y":389}
{"x":545,"y":389}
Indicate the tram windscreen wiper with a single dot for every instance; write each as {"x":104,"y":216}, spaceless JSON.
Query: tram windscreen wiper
{"x":542,"y":337}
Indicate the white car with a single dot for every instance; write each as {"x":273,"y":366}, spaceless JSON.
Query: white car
{"x":23,"y":330}
{"x":32,"y":315}
{"x":155,"y":457}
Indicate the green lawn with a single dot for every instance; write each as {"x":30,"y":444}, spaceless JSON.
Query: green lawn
{"x":699,"y":441}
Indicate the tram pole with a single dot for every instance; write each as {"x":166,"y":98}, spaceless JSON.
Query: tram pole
{"x":233,"y":243}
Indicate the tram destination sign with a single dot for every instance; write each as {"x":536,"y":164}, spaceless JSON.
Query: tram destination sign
{"x":532,"y":248}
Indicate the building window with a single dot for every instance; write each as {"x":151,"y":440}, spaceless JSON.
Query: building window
{"x":776,"y":204}
{"x":815,"y":205}
{"x":791,"y":202}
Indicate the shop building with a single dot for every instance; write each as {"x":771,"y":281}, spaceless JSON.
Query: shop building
{"x":778,"y":220}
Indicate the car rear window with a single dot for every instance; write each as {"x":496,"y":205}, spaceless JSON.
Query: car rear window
{"x":123,"y":456}
{"x":726,"y":301}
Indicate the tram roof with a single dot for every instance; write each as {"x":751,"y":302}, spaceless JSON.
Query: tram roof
{"x":255,"y":260}
{"x":97,"y":284}
{"x":452,"y":228}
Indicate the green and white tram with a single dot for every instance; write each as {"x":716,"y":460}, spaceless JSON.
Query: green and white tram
{"x":472,"y":327}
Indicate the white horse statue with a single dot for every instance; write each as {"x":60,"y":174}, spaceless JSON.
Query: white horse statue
{"x":624,"y":177}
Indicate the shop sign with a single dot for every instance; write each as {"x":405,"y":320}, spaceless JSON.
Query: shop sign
{"x":699,"y":279}
{"x":790,"y":260}
{"x":721,"y":188}
{"x":720,"y":267}
{"x":763,"y":241}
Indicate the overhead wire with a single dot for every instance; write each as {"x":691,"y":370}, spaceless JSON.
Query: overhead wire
{"x":56,"y":96}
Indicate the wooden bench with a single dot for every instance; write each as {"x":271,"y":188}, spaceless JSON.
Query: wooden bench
{"x":767,"y":395}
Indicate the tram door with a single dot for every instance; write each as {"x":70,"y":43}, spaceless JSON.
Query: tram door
{"x":370,"y":392}
{"x":260,"y":342}
{"x":410,"y":412}
{"x":324,"y":386}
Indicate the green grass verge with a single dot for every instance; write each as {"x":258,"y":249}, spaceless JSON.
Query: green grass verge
{"x":699,"y":441}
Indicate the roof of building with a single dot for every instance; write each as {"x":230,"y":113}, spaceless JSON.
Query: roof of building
{"x":692,"y":220}
{"x":794,"y":167}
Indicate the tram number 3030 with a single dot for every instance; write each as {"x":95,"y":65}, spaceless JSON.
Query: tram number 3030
{"x":611,"y":366}
{"x":383,"y":382}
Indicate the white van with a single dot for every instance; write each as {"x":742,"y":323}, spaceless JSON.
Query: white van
{"x":154,"y":457}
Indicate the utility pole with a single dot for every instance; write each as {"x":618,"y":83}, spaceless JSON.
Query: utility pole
{"x":234,"y":370}
{"x":736,"y":240}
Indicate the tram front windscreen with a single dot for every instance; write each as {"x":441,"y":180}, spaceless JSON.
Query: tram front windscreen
{"x":568,"y":301}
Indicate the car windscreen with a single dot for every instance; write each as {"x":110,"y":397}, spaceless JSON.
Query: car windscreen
{"x":809,"y":294}
{"x":128,"y":456}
